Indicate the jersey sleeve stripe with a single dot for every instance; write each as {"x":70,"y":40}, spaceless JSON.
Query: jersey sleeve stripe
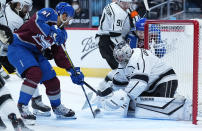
{"x":133,"y":87}
{"x":143,"y":62}
{"x":113,"y":15}
{"x":141,"y":77}
{"x":120,"y":83}
{"x":101,"y":24}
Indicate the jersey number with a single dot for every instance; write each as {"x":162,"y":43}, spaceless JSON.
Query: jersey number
{"x":119,"y":23}
{"x":45,"y":13}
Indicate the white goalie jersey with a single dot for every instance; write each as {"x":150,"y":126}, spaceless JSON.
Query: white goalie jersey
{"x":144,"y":72}
{"x":114,"y":20}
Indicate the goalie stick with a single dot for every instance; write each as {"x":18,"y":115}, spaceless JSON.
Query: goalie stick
{"x":100,"y":93}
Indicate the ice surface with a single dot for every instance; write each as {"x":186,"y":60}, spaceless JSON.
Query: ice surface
{"x":73,"y":97}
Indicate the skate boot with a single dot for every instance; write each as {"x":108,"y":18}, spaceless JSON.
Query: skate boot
{"x":40,"y":109}
{"x":27,"y":116}
{"x":4,"y":74}
{"x":18,"y":124}
{"x":2,"y":125}
{"x":62,"y":112}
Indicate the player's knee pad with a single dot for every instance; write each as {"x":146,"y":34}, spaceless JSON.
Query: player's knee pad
{"x":52,"y":86}
{"x":33,"y":76}
{"x":2,"y":82}
{"x":4,"y":98}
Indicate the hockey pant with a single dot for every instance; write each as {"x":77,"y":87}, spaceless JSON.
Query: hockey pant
{"x":162,"y":89}
{"x":106,"y":47}
{"x":6,"y":64}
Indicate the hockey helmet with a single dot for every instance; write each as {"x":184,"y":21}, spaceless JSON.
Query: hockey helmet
{"x":140,"y":24}
{"x":64,"y":7}
{"x":122,"y":52}
{"x":24,"y":3}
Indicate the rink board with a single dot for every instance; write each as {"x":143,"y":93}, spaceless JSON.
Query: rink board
{"x":84,"y":52}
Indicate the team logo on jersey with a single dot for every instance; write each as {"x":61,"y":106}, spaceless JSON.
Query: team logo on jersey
{"x":40,"y":39}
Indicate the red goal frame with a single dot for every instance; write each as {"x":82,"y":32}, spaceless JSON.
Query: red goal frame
{"x":195,"y":23}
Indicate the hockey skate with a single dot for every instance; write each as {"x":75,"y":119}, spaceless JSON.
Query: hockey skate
{"x":4,"y":74}
{"x":27,"y":116}
{"x":40,"y":109}
{"x":18,"y":124}
{"x":62,"y":112}
{"x":2,"y":125}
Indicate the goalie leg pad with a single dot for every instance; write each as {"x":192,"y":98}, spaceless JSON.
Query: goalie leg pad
{"x":163,"y":108}
{"x":4,"y":98}
{"x":2,"y":82}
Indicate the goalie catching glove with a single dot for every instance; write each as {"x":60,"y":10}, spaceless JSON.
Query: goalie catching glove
{"x":76,"y":75}
{"x":118,"y":99}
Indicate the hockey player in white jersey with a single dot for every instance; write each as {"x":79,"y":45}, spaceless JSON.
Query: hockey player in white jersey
{"x":7,"y":105}
{"x":114,"y":26}
{"x":143,"y":86}
{"x":17,"y":12}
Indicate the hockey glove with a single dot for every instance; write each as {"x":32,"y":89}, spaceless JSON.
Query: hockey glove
{"x":76,"y":76}
{"x":59,"y":35}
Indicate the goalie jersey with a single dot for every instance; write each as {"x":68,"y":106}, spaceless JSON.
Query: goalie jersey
{"x":144,"y":73}
{"x":114,"y":20}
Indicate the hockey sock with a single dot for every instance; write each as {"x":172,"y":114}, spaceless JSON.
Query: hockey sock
{"x":53,"y":91}
{"x":32,"y":77}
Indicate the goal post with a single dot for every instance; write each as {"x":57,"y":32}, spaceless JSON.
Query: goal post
{"x":177,"y":42}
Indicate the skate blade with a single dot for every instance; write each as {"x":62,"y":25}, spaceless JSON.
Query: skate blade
{"x":61,"y":117}
{"x":40,"y":113}
{"x":29,"y":122}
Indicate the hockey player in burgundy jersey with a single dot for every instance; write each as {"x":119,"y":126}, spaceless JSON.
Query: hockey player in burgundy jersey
{"x":25,"y":53}
{"x":14,"y":16}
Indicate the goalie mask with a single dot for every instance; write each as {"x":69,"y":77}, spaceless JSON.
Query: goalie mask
{"x":6,"y":35}
{"x":122,"y":52}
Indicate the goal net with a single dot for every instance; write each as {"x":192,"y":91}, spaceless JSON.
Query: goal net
{"x":178,"y":43}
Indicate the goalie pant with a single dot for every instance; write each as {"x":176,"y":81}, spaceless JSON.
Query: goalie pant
{"x":7,"y":105}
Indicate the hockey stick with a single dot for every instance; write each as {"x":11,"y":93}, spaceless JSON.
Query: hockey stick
{"x":64,"y":49}
{"x":147,"y":8}
{"x":99,"y":93}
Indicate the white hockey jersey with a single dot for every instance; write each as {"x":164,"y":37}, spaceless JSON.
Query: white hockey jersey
{"x":141,"y":71}
{"x":2,"y":18}
{"x":115,"y":20}
{"x":3,"y":21}
{"x":14,"y":20}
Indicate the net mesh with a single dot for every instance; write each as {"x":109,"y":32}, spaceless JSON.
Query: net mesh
{"x":173,"y":42}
